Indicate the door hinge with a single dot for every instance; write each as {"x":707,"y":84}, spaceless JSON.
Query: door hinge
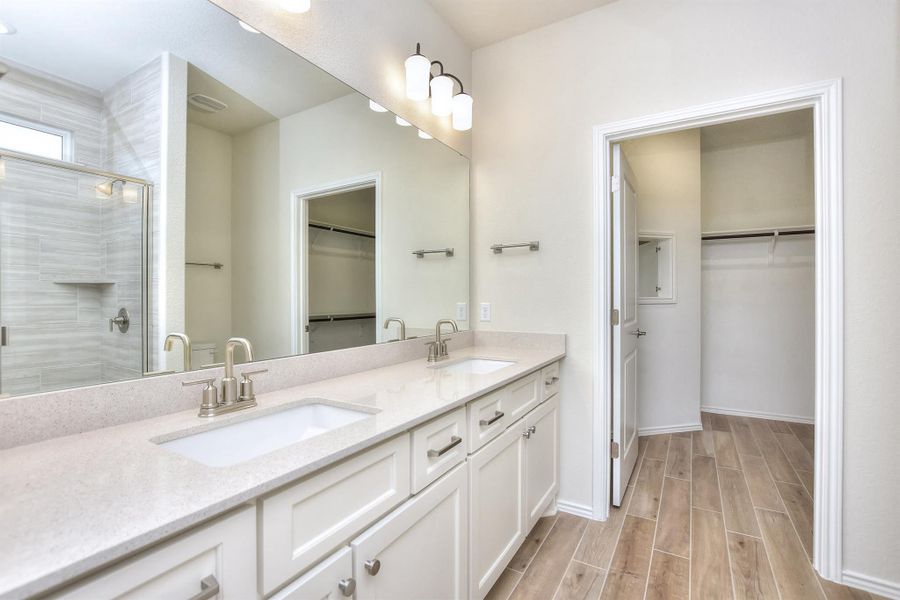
{"x":4,"y":336}
{"x":614,"y":449}
{"x":614,"y":184}
{"x":614,"y":317}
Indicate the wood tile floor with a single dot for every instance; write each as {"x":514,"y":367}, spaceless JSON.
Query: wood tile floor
{"x":715,"y":514}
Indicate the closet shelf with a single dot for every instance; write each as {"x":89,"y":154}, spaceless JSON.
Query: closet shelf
{"x":340,"y":317}
{"x":757,"y":233}
{"x":339,"y":229}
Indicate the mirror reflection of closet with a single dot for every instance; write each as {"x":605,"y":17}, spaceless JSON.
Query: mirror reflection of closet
{"x":656,"y":269}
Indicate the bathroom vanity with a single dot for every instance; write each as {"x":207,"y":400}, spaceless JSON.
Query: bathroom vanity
{"x":427,"y":491}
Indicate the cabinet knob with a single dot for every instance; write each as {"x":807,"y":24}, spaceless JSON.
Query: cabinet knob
{"x":551,"y":380}
{"x":347,"y":586}
{"x":532,"y":429}
{"x":372,"y":566}
{"x":526,"y":434}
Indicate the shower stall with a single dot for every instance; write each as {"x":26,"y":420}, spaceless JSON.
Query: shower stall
{"x":74,"y":274}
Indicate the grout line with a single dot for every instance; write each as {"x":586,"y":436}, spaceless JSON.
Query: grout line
{"x":571,"y":559}
{"x":662,"y":491}
{"x":724,"y":526}
{"x":709,"y":510}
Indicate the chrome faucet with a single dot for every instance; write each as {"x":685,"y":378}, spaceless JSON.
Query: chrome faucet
{"x":230,"y":401}
{"x":437,"y":350}
{"x":388,"y":321}
{"x":185,"y":342}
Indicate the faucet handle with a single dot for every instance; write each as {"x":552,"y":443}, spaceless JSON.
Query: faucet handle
{"x":247,"y":394}
{"x":210,"y":395}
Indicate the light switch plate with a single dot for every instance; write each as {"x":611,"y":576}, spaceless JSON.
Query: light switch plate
{"x":462,"y":311}
{"x":485,"y":314}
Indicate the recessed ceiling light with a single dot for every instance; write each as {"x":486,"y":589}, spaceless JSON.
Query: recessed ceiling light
{"x":402,"y":122}
{"x":376,"y":107}
{"x":6,"y":29}
{"x":424,"y":135}
{"x":295,"y":6}
{"x":246,"y":27}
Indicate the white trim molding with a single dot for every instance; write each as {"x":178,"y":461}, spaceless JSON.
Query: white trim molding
{"x":756,"y":414}
{"x":299,"y":266}
{"x":825,"y":100}
{"x":661,"y":429}
{"x":873,"y":585}
{"x":574,"y":508}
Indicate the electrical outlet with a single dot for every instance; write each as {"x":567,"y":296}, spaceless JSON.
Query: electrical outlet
{"x":462,"y":311}
{"x":485,"y":314}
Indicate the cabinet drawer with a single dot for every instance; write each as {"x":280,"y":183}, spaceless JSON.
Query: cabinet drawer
{"x":331,"y":579}
{"x":301,"y":524}
{"x":524,"y":394}
{"x":437,"y":447}
{"x":488,"y":418}
{"x":419,"y":550}
{"x":549,"y":381}
{"x":221,"y":553}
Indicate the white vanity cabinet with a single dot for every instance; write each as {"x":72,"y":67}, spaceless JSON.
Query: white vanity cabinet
{"x":331,"y":579}
{"x":421,"y":549}
{"x":541,"y":460}
{"x":218,"y":558}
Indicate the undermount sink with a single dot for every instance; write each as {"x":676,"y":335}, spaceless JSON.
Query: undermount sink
{"x":477,"y":366}
{"x":233,"y":444}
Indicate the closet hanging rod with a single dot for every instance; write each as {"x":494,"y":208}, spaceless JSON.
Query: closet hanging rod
{"x":215,"y":265}
{"x":348,"y":317}
{"x":335,"y":228}
{"x":756,"y":234}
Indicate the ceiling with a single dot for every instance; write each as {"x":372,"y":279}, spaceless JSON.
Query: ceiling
{"x":797,"y":123}
{"x":95,"y":43}
{"x":241,"y":114}
{"x":484,"y":22}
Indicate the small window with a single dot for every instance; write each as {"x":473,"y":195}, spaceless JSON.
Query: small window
{"x":27,"y":137}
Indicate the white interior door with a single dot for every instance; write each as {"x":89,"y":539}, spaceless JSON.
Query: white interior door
{"x":625,"y":327}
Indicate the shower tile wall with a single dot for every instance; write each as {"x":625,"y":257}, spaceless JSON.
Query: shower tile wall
{"x":69,"y":257}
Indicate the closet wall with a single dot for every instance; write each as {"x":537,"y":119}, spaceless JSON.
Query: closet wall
{"x":758,"y":315}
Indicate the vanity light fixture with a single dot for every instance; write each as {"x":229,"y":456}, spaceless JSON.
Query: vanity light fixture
{"x":401,"y":122}
{"x":424,"y":135}
{"x":6,"y":29}
{"x":295,"y":6}
{"x":422,"y":83}
{"x":246,"y":27}
{"x":376,"y":107}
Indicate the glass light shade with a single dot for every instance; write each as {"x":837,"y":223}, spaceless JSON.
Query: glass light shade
{"x":441,"y":96}
{"x":401,"y":122}
{"x":376,"y":107}
{"x":295,"y":6}
{"x":462,"y":112}
{"x":418,"y":70}
{"x":424,"y":135}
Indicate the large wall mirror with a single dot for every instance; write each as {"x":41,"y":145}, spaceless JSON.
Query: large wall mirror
{"x":170,"y":174}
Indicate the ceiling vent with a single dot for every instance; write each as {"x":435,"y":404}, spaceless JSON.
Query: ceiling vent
{"x":206,"y":103}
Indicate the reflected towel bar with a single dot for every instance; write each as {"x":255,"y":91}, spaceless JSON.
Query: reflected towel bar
{"x":532,"y":246}
{"x":216,"y":265}
{"x":421,"y":253}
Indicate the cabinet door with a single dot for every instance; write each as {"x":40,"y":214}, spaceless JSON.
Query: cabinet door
{"x":497,"y":522}
{"x":220,"y":555}
{"x":421,"y":549}
{"x":541,"y":459}
{"x":331,"y":579}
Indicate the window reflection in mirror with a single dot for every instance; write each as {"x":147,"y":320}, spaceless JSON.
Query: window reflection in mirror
{"x":190,"y":185}
{"x":656,"y":270}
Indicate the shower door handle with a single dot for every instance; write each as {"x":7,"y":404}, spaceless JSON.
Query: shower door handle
{"x":4,"y":336}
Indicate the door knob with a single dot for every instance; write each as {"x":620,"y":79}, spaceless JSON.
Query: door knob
{"x":372,"y":566}
{"x":347,"y":586}
{"x":638,"y":333}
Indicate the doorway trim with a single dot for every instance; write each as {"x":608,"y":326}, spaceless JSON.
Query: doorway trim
{"x":299,"y":265}
{"x":825,"y":99}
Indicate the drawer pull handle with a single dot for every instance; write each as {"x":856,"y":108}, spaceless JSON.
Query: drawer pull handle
{"x":497,"y":416}
{"x":372,"y":566}
{"x":209,"y":588}
{"x":454,"y":442}
{"x":347,"y":586}
{"x":551,"y":380}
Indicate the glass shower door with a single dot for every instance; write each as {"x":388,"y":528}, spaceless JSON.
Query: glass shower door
{"x":71,"y":277}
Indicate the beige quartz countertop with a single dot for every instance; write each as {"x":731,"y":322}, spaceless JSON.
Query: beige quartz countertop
{"x":72,"y":504}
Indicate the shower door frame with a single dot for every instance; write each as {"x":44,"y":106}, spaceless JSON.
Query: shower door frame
{"x":146,"y":241}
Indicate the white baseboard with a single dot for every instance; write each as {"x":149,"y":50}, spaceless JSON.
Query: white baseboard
{"x":670,"y":429}
{"x":573,"y":508}
{"x":873,"y":585}
{"x":756,"y":414}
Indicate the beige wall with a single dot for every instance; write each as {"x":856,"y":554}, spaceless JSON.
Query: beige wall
{"x":537,"y":98}
{"x":364,"y":43}
{"x":207,"y":302}
{"x":667,"y":168}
